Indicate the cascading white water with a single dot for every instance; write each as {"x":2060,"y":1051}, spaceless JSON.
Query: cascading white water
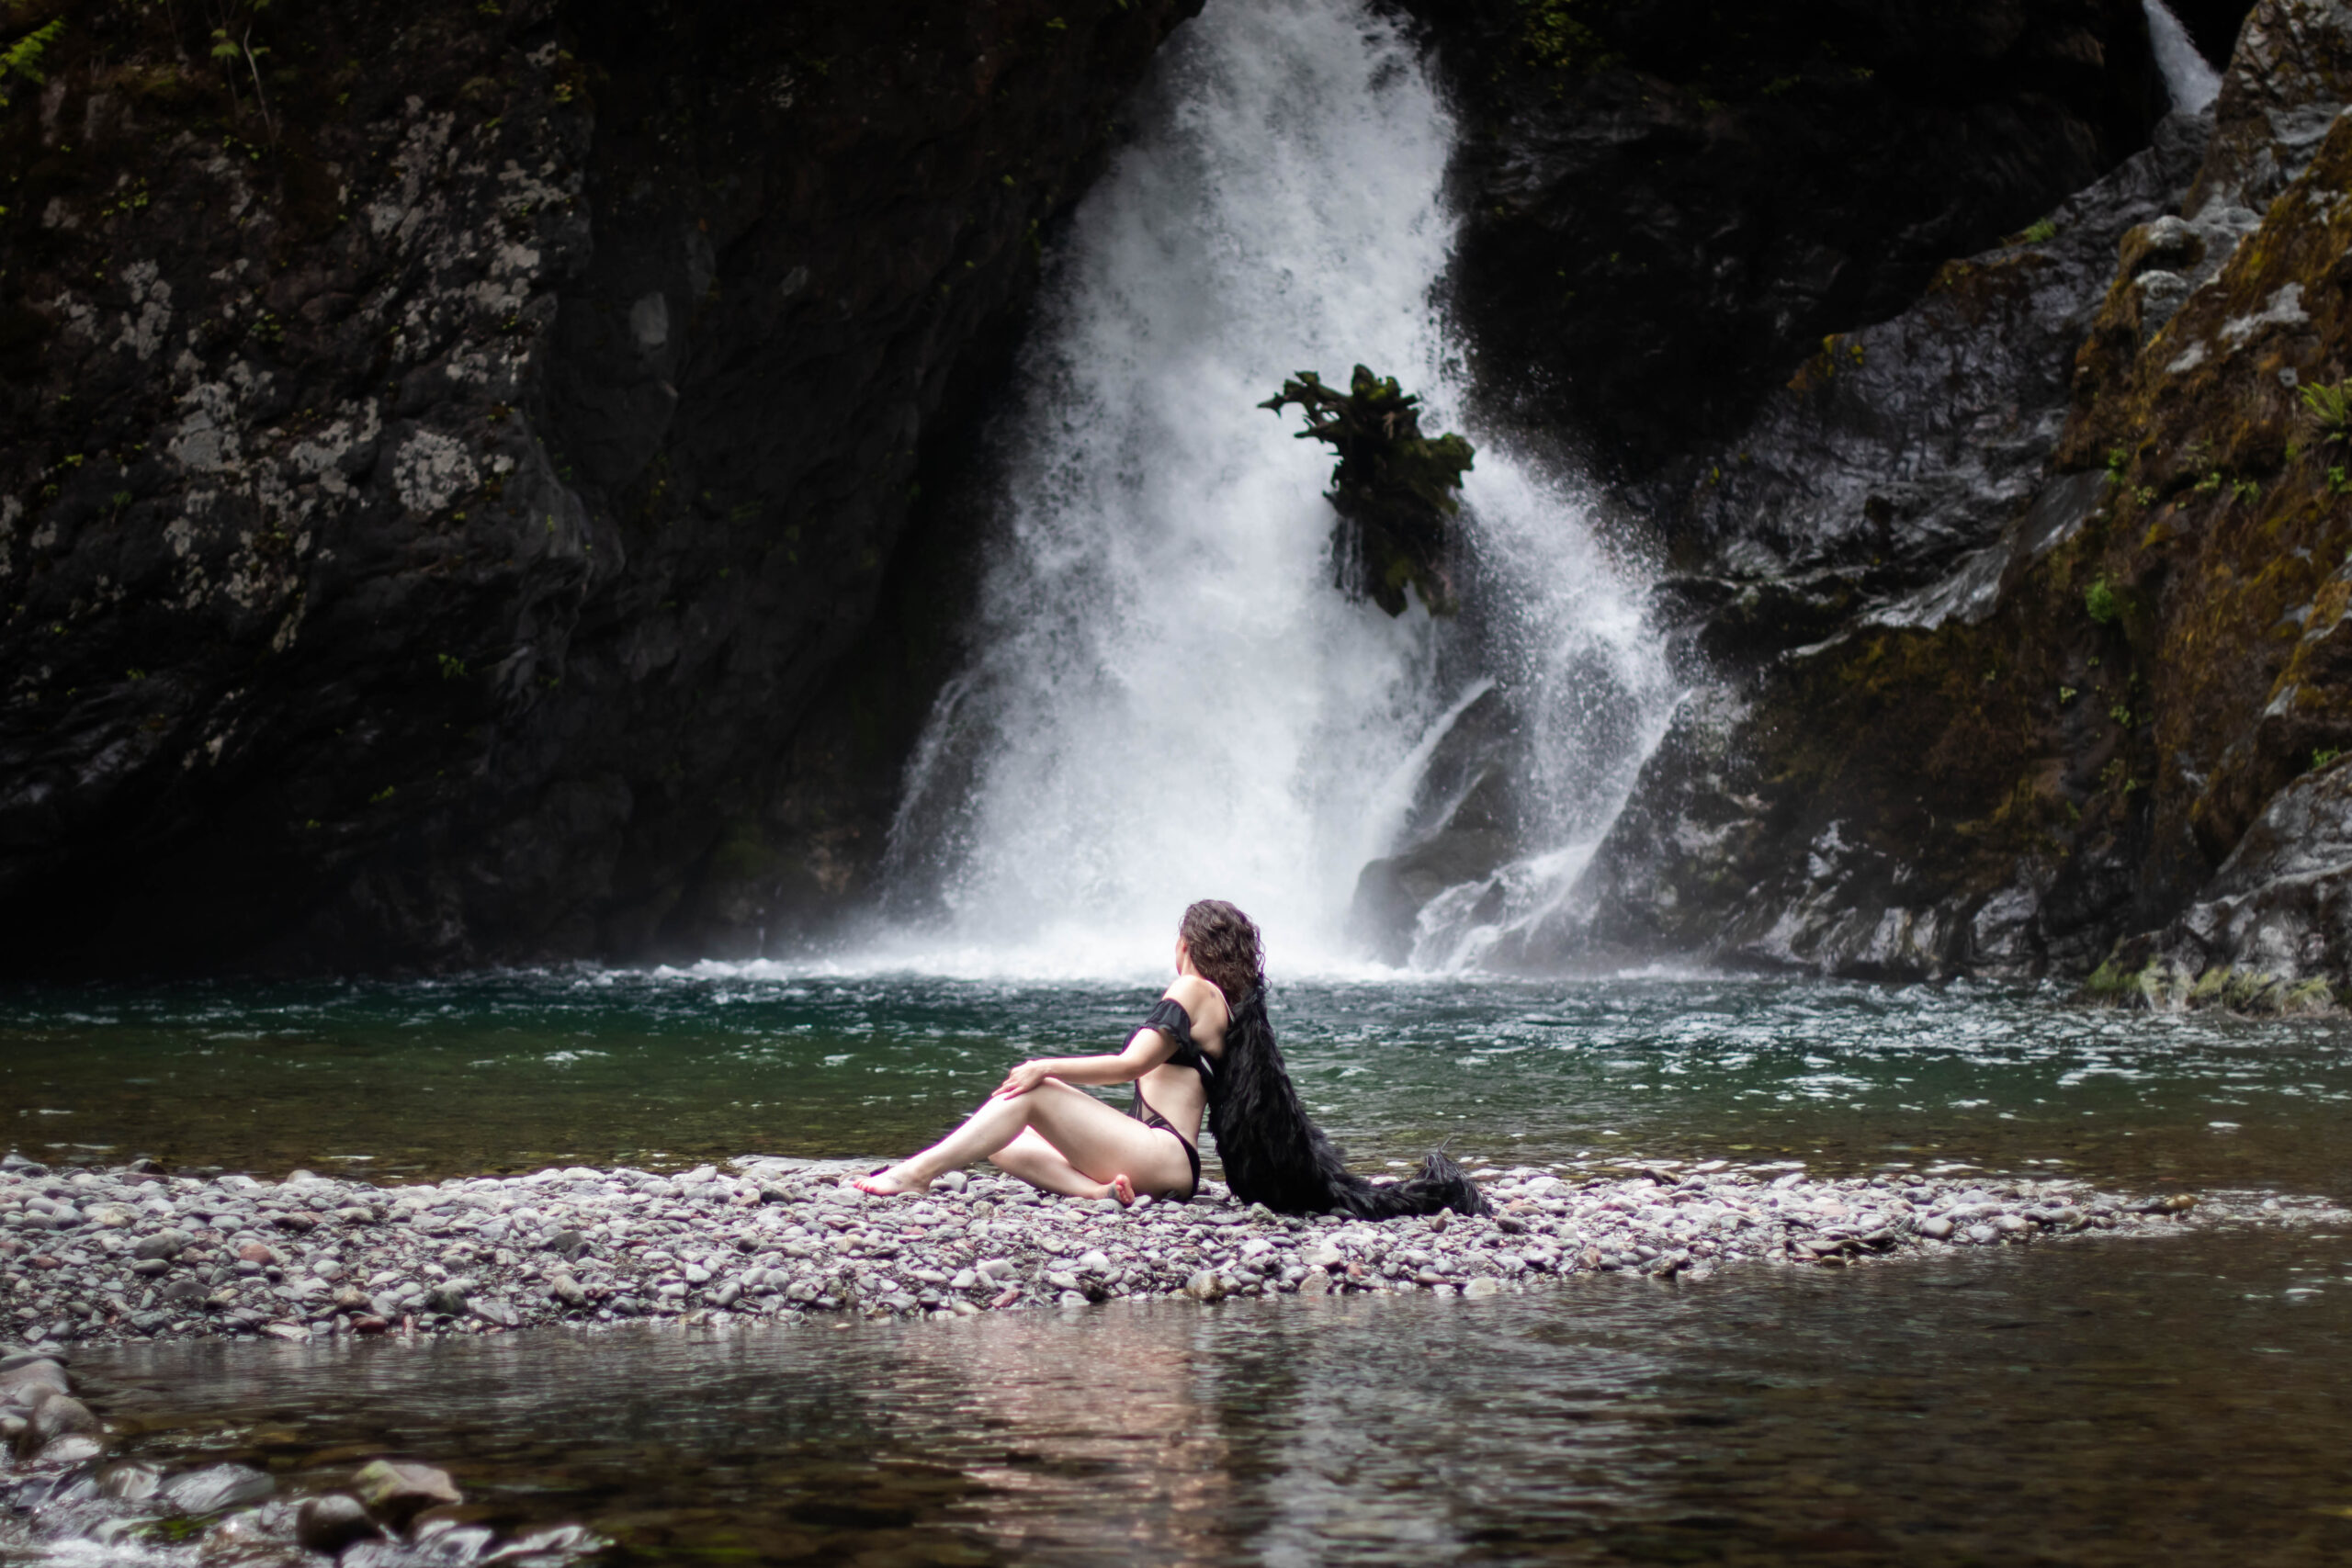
{"x":1169,"y":699}
{"x":2191,"y":83}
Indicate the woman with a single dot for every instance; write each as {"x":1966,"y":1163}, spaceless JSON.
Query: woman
{"x":1206,"y":1046}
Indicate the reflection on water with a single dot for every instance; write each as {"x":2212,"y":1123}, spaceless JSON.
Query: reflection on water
{"x":519,"y":1070}
{"x":2180,"y":1401}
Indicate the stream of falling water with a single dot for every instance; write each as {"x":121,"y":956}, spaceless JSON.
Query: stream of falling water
{"x":1168,"y":698}
{"x":2192,"y":84}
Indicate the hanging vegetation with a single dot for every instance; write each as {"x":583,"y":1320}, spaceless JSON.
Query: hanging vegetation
{"x":1394,"y":488}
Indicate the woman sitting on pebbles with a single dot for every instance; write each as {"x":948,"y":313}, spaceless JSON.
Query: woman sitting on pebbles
{"x":1207,"y":1047}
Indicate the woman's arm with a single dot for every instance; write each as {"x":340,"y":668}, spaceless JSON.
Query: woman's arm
{"x":1146,"y":1050}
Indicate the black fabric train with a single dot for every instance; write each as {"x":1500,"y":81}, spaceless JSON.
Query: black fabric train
{"x":1272,"y":1153}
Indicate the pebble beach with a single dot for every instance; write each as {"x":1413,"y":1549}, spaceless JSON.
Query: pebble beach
{"x":92,"y":1258}
{"x":133,"y":1253}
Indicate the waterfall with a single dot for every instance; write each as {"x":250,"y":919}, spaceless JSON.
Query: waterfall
{"x":1168,"y":699}
{"x":2192,"y":84}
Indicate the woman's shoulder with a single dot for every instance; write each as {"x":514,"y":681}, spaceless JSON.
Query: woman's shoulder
{"x":1201,"y":1000}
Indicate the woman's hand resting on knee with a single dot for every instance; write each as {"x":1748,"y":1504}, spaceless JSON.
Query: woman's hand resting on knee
{"x":1023,"y":1078}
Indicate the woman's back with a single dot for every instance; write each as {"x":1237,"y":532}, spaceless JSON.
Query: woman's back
{"x":1178,"y":1088}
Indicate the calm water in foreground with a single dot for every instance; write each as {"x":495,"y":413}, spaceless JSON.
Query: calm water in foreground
{"x":2092,"y":1402}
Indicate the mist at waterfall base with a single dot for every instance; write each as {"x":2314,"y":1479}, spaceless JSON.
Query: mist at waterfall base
{"x":1168,"y":698}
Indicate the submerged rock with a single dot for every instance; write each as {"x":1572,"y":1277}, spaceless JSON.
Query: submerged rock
{"x":331,"y":1523}
{"x":56,"y":1419}
{"x":396,"y":1490}
{"x":57,"y":1499}
{"x":214,"y":1490}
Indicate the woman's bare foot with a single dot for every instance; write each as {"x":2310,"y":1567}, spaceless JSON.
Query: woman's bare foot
{"x":886,"y":1183}
{"x":1124,"y":1191}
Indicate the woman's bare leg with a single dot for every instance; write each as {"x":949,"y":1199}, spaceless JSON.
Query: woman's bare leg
{"x":1094,"y":1143}
{"x":1041,"y":1165}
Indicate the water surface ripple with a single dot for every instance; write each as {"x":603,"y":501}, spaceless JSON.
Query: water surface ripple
{"x":2090,"y":1402}
{"x":518,"y":1070}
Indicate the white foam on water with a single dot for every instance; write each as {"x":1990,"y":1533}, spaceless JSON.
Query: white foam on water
{"x":1169,"y":699}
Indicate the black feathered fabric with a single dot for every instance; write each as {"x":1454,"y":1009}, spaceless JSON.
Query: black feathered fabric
{"x":1273,"y":1155}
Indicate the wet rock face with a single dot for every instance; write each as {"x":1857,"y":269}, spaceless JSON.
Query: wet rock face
{"x":426,"y":512}
{"x":1463,"y":822}
{"x":1816,"y":803}
{"x":2072,"y":733}
{"x":1896,"y":449}
{"x":1669,"y":203}
{"x":2270,"y":932}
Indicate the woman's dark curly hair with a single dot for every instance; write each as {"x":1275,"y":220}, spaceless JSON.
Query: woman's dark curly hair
{"x":1226,"y":949}
{"x":1274,"y":1154}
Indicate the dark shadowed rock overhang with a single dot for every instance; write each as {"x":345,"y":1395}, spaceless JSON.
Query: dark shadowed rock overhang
{"x":1667,"y":203}
{"x":445,"y":454}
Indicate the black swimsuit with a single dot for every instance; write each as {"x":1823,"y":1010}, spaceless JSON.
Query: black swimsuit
{"x":1170,"y":1019}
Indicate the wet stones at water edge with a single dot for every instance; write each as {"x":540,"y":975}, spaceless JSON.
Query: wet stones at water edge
{"x":79,"y":1488}
{"x":310,"y":1259}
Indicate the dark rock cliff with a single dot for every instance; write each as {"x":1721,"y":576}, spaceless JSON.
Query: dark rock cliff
{"x":447,"y":451}
{"x":492,"y":481}
{"x":2018,"y":710}
{"x":1669,"y":202}
{"x":1715,"y":246}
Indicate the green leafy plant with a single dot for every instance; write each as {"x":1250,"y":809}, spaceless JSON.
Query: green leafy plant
{"x":130,"y":197}
{"x":452,"y":667}
{"x":2067,"y":695}
{"x":233,"y":42}
{"x":2040,"y":231}
{"x":2103,"y":604}
{"x":2117,"y":459}
{"x":2325,"y":755}
{"x":21,"y":60}
{"x":2330,"y":408}
{"x":1395,"y":489}
{"x":2245,"y":489}
{"x":1551,"y":34}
